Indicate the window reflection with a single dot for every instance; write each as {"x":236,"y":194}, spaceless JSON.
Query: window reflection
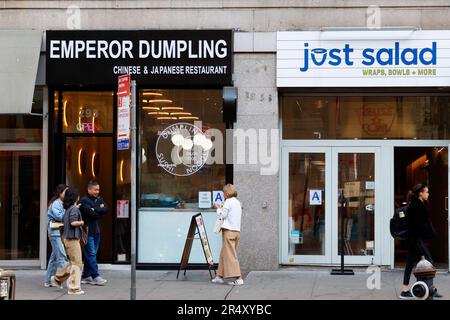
{"x":87,"y":112}
{"x":164,"y":181}
{"x":24,"y":127}
{"x":366,"y":117}
{"x":306,"y":213}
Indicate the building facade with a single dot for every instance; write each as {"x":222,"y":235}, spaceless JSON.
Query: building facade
{"x":330,"y":87}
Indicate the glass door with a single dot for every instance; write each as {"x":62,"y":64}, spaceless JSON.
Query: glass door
{"x":356,"y":197}
{"x":91,"y":158}
{"x":306,"y":205}
{"x":20,"y":184}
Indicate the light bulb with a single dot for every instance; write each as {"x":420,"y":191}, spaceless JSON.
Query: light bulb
{"x":207,"y":144}
{"x":187,"y":144}
{"x":177,"y":139}
{"x":199,"y":139}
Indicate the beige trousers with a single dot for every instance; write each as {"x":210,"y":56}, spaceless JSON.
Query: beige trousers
{"x":228,"y":261}
{"x":73,"y":277}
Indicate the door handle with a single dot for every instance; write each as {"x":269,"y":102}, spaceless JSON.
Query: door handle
{"x":446,"y":203}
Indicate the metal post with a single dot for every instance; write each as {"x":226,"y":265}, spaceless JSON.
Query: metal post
{"x":133,"y":190}
{"x":342,"y":271}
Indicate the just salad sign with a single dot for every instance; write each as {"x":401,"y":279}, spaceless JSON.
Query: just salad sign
{"x":363,"y":59}
{"x":152,"y":57}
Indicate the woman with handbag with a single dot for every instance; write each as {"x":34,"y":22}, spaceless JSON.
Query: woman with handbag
{"x":55,"y":213}
{"x":73,"y":233}
{"x":230,"y":213}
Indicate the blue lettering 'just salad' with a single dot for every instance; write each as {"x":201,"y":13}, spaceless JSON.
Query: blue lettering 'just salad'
{"x":383,"y":56}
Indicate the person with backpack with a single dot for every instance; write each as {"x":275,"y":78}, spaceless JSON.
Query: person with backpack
{"x":420,"y":229}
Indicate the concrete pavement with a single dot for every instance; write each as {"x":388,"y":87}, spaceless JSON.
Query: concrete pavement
{"x":302,"y":283}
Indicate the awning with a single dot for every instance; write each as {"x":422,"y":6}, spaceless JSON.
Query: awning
{"x":19,"y":59}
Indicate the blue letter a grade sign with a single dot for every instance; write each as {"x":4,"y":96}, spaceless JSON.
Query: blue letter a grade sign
{"x":315,"y":197}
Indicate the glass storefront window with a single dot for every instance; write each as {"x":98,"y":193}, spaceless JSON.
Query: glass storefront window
{"x":306,"y":218}
{"x":24,"y":127}
{"x":87,"y":112}
{"x":357,"y":184}
{"x":172,"y":172}
{"x":122,"y":233}
{"x":366,"y":117}
{"x":20,"y":179}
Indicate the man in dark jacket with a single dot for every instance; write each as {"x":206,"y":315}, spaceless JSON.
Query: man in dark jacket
{"x":92,"y":208}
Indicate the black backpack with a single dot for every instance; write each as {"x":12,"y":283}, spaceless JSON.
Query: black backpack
{"x":399,"y":223}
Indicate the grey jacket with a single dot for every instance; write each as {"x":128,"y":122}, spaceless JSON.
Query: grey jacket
{"x":72,"y":214}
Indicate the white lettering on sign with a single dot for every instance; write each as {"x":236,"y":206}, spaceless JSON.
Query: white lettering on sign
{"x":156,"y":49}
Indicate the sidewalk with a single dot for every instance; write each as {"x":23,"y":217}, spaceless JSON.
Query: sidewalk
{"x":284,"y":284}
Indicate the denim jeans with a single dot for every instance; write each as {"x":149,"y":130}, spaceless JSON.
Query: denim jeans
{"x":90,"y":257}
{"x":58,"y":258}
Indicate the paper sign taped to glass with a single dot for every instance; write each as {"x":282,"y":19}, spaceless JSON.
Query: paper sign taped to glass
{"x":352,"y":189}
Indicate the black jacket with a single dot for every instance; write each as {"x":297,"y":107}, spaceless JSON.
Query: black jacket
{"x":419,"y":224}
{"x":91,"y":212}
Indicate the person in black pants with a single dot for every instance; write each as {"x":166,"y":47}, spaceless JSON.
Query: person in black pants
{"x":93,"y":207}
{"x":419,"y":229}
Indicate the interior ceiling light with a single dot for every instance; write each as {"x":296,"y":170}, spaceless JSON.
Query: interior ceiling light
{"x":188,"y":118}
{"x":199,"y":139}
{"x":177,"y":139}
{"x":160,"y":101}
{"x":181,"y":114}
{"x":207,"y":144}
{"x":172,"y":108}
{"x":167,"y":118}
{"x":187,"y":144}
{"x":152,"y":94}
{"x":151,"y":108}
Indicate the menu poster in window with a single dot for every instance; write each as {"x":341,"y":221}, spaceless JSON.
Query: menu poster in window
{"x":352,"y":189}
{"x":123,"y":114}
{"x":123,"y":207}
{"x":204,"y":199}
{"x":204,"y":238}
{"x":197,"y":223}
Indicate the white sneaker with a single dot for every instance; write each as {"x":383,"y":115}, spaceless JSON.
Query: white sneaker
{"x":217,"y":280}
{"x":78,"y":292}
{"x":55,"y":283}
{"x":237,"y":282}
{"x":86,"y":280}
{"x":99,"y":281}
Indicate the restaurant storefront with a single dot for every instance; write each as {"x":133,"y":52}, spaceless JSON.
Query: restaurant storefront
{"x":180,"y":77}
{"x":365,"y":116}
{"x":22,"y":148}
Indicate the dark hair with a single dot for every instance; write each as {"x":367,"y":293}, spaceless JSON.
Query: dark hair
{"x":70,"y":198}
{"x":416,"y":190}
{"x":58,"y":190}
{"x":92,"y":183}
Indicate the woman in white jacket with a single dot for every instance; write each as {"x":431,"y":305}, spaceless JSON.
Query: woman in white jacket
{"x":231,"y":213}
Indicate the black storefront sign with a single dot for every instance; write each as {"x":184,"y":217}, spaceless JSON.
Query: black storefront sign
{"x":152,"y":57}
